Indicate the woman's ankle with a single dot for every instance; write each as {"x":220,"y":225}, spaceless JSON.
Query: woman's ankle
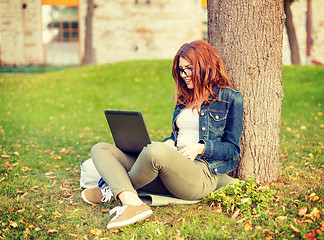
{"x":129,"y":198}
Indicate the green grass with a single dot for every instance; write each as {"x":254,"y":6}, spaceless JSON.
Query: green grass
{"x":49,"y":121}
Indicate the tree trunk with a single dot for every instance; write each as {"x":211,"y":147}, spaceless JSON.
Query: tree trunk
{"x":88,"y":35}
{"x":248,"y":36}
{"x":294,"y":50}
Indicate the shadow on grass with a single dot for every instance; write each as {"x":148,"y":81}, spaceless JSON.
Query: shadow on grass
{"x":33,"y":69}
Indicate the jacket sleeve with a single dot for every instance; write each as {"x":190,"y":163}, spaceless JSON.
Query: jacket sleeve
{"x":228,"y":147}
{"x":172,"y":137}
{"x":169,"y":138}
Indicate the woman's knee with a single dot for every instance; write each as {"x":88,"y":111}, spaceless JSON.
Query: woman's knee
{"x":155,"y":152}
{"x":102,"y":146}
{"x":154,"y":149}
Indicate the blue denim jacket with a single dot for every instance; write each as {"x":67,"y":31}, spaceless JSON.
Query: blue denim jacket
{"x":220,"y":128}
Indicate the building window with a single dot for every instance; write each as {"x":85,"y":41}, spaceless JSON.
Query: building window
{"x":60,"y":34}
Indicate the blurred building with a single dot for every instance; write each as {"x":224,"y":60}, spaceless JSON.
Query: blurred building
{"x":52,"y":32}
{"x":299,"y":10}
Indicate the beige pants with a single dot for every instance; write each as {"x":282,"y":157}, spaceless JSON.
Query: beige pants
{"x":158,"y":168}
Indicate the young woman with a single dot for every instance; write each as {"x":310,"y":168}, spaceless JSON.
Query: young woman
{"x":205,"y":141}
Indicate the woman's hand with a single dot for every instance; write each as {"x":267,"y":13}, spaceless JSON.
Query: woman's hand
{"x":170,"y":143}
{"x":191,"y":151}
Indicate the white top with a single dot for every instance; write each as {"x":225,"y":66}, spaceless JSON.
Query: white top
{"x":188,"y":124}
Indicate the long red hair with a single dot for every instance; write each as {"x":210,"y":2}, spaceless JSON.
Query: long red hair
{"x":207,"y":71}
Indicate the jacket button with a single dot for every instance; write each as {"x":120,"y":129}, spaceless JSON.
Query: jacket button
{"x":217,"y":117}
{"x":203,"y":128}
{"x":202,"y":114}
{"x":215,"y":169}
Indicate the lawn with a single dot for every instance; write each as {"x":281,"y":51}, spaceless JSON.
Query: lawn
{"x":49,"y":122}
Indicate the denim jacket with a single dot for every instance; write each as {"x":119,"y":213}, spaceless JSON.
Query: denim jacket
{"x":220,"y":128}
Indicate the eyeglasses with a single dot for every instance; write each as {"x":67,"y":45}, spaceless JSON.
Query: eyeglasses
{"x":183,"y":70}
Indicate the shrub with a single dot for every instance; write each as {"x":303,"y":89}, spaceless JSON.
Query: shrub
{"x":247,"y":195}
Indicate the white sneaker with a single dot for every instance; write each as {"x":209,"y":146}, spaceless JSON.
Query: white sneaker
{"x":129,"y":214}
{"x":97,"y":195}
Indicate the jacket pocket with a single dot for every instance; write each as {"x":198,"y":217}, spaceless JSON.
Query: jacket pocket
{"x":217,"y":120}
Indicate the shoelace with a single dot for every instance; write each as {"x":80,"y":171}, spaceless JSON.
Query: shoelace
{"x":106,"y":194}
{"x":118,"y":210}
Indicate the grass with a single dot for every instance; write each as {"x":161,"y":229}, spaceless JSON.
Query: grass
{"x":49,"y":121}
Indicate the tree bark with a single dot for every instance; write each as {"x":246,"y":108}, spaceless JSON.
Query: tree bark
{"x":248,"y":36}
{"x":88,"y":35}
{"x":294,"y":49}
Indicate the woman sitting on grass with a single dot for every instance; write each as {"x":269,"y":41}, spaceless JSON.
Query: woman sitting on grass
{"x":205,"y":141}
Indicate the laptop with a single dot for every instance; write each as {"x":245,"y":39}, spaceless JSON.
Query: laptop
{"x":128,"y":130}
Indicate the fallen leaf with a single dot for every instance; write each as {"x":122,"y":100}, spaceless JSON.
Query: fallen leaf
{"x":57,"y":214}
{"x":236,"y":213}
{"x":73,"y":235}
{"x":19,"y":191}
{"x":294,"y":228}
{"x":240,"y":221}
{"x":33,"y":188}
{"x":73,"y":203}
{"x":281,"y":218}
{"x":13,"y":224}
{"x":178,"y":238}
{"x":244,"y":200}
{"x":62,"y":150}
{"x":96,"y":231}
{"x":310,"y":236}
{"x":218,"y":208}
{"x":20,"y":211}
{"x":314,"y":213}
{"x":5,"y":156}
{"x":267,"y":231}
{"x":31,"y":226}
{"x":15,"y":164}
{"x":6,"y":163}
{"x":319,"y":232}
{"x":302,"y":211}
{"x":308,"y":221}
{"x":53,"y":230}
{"x":248,"y":226}
{"x":22,"y":196}
{"x":25,"y":169}
{"x":105,"y":210}
{"x":258,"y":228}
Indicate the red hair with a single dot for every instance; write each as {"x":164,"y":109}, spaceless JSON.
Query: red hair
{"x":207,"y":71}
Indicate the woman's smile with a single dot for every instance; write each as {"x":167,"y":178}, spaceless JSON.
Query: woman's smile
{"x":185,"y":71}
